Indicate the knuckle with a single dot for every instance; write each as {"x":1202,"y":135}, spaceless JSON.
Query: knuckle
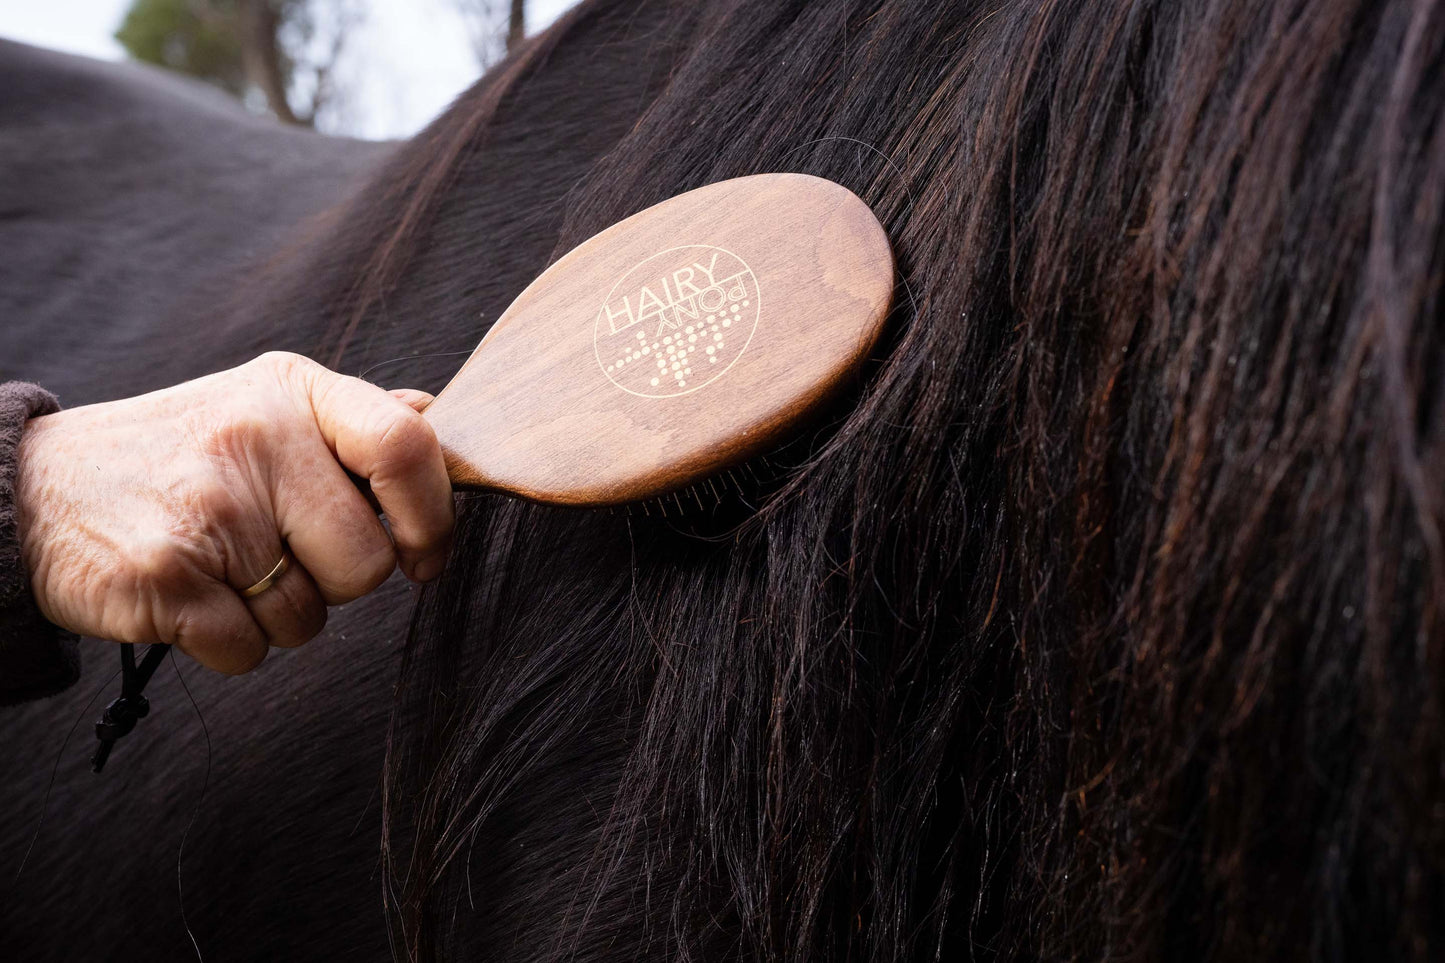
{"x":282,"y":362}
{"x":374,"y":568}
{"x":236,"y":435}
{"x":366,"y":572}
{"x":241,"y":659}
{"x":200,"y":512}
{"x":313,"y":619}
{"x":280,"y":374}
{"x":161,"y":563}
{"x":181,"y":544}
{"x":356,"y":557}
{"x":303,"y":620}
{"x":218,"y":504}
{"x":405,"y":440}
{"x":196,"y":634}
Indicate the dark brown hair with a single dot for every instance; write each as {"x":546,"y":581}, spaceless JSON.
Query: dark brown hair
{"x":1105,"y":623}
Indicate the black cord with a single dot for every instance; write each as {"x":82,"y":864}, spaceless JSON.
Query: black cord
{"x":130,"y":706}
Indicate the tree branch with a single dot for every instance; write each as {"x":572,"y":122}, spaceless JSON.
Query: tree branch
{"x":516,"y":24}
{"x":261,"y":57}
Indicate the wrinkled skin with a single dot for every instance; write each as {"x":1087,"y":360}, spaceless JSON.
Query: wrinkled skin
{"x":141,"y":518}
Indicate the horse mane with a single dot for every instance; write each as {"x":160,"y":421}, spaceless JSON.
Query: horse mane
{"x":1105,"y":622}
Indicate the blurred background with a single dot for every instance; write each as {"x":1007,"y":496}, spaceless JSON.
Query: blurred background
{"x":376,"y":69}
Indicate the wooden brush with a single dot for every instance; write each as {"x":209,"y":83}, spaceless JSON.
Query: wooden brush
{"x":677,"y":343}
{"x":674,"y":345}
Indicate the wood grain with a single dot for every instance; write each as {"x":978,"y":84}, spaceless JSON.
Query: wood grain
{"x":787,"y":278}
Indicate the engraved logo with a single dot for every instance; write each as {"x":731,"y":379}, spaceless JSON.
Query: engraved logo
{"x":677,"y":321}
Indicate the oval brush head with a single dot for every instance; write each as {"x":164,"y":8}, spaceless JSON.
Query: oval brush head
{"x":671,"y":346}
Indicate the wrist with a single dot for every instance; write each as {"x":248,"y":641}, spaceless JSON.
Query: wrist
{"x":20,"y":406}
{"x":28,"y":495}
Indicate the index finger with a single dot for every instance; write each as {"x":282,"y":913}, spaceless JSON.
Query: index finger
{"x":384,"y":440}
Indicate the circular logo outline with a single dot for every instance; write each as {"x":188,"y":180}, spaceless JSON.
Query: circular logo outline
{"x":597,"y":323}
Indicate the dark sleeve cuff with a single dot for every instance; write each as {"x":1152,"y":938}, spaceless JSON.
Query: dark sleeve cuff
{"x":36,"y":658}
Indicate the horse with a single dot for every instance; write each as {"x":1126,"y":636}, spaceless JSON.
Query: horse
{"x":1102,"y":619}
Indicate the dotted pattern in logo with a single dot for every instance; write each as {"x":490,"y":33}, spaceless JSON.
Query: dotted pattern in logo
{"x":677,"y":321}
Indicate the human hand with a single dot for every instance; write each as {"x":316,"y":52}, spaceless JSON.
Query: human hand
{"x":142,"y":520}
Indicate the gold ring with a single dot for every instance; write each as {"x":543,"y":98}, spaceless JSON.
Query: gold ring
{"x":272,"y":577}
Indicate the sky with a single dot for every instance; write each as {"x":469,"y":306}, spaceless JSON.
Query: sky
{"x":405,"y":63}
